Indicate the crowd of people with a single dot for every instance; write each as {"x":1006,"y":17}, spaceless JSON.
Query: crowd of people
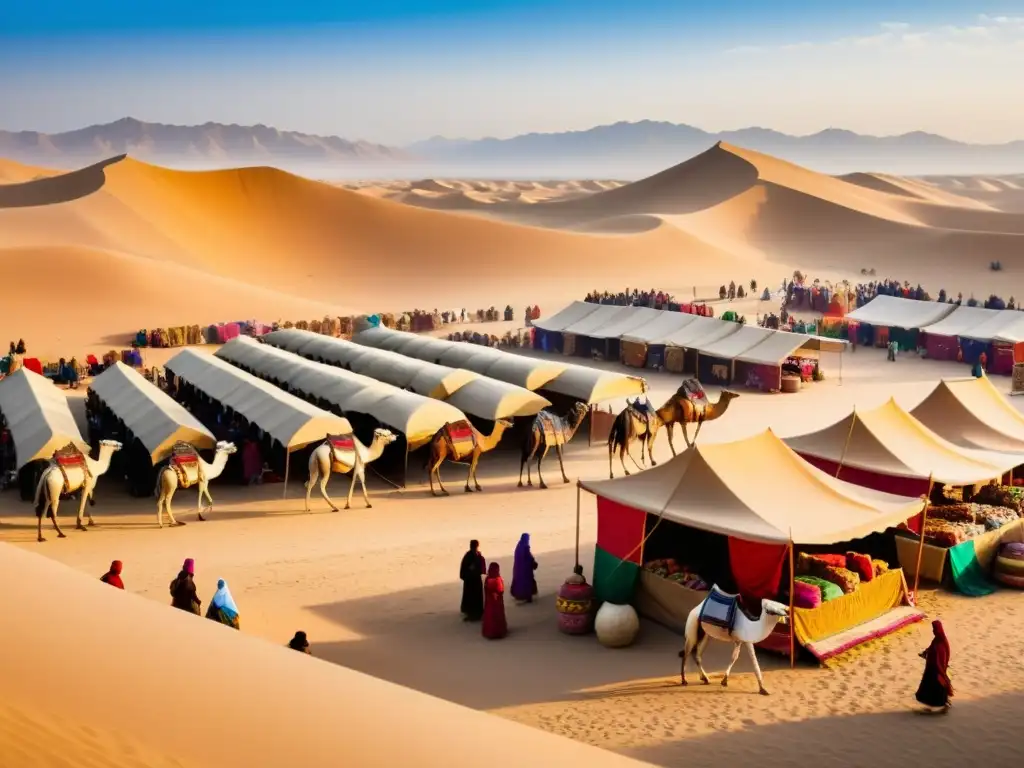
{"x":633,"y":297}
{"x":483,"y":588}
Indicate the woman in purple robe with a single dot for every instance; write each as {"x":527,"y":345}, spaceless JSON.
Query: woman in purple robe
{"x":524,"y":582}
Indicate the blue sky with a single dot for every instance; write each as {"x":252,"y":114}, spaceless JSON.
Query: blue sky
{"x":396,"y":72}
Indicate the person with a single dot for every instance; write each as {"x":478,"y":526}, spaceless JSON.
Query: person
{"x":471,"y":571}
{"x":893,"y":349}
{"x":222,"y":606}
{"x":494,"y":625}
{"x":935,"y":689}
{"x":524,"y":581}
{"x":113,"y":576}
{"x":299,"y":643}
{"x":183,"y":589}
{"x":978,"y":369}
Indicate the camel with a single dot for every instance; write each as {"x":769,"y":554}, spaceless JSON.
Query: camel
{"x":680,"y":409}
{"x":549,"y":429}
{"x":344,"y":454}
{"x":744,"y":630}
{"x":186,"y":469}
{"x":460,"y":441}
{"x":69,"y":472}
{"x":634,"y":422}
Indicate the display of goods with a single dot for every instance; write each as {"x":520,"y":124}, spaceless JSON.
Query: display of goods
{"x":575,"y":604}
{"x":993,"y":517}
{"x":954,"y":513}
{"x":675,"y":359}
{"x":943,"y":533}
{"x":668,"y":568}
{"x":880,"y":567}
{"x":829,"y":591}
{"x":806,"y":595}
{"x":999,"y":496}
{"x":861,"y":565}
{"x":844,"y":578}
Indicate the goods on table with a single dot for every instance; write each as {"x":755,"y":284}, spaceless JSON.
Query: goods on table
{"x":953,"y":513}
{"x":1009,"y":565}
{"x":1000,"y":496}
{"x":942,"y":533}
{"x":669,"y":569}
{"x":952,"y":524}
{"x":829,"y":591}
{"x":844,"y":578}
{"x":880,"y":567}
{"x":860,"y":565}
{"x":806,"y":595}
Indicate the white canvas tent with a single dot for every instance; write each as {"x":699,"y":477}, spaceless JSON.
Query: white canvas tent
{"x":591,"y":385}
{"x":1006,"y":326}
{"x":896,"y":312}
{"x":635,"y":317}
{"x":655,"y":331}
{"x":971,"y":413}
{"x":775,"y":348}
{"x":38,"y":417}
{"x":605,"y":314}
{"x":154,"y":418}
{"x":962,"y":321}
{"x":563,"y":319}
{"x":700,"y":331}
{"x":734,"y":344}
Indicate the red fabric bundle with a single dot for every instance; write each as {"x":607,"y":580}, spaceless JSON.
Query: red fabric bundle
{"x":839,"y":561}
{"x":861,"y":565}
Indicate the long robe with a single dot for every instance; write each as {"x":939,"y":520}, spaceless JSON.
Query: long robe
{"x":936,"y":689}
{"x":494,"y":625}
{"x":524,"y":583}
{"x":471,"y":571}
{"x":183,"y":594}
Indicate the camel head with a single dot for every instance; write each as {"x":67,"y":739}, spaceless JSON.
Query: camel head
{"x":726,"y":396}
{"x":113,"y":445}
{"x":773,"y":608}
{"x":223,"y":446}
{"x":503,"y":423}
{"x":579,"y":410}
{"x":386,"y":436}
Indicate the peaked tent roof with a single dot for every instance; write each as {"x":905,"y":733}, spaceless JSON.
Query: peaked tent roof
{"x":152,"y":415}
{"x":566,"y":317}
{"x":971,"y":413}
{"x":890,"y":441}
{"x":655,"y":331}
{"x":38,"y":416}
{"x":962,"y":321}
{"x":734,"y":344}
{"x":897,"y":312}
{"x":1007,"y":325}
{"x":744,"y":489}
{"x":291,"y":421}
{"x":415,"y":416}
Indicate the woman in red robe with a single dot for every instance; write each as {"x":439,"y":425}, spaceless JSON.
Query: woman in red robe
{"x":113,"y":576}
{"x":494,"y":625}
{"x":936,"y":689}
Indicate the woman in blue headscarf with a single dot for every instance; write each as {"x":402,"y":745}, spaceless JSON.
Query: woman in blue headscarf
{"x":524,"y":583}
{"x":222,"y":606}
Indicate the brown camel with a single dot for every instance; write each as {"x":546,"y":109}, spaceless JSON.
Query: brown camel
{"x":680,"y":409}
{"x":549,"y":429}
{"x":460,"y":441}
{"x":637,"y":421}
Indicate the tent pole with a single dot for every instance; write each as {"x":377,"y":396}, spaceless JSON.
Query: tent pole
{"x":579,"y":494}
{"x":590,"y":432}
{"x":792,"y":615}
{"x":405,"y":472}
{"x":846,"y":445}
{"x":287,"y":466}
{"x":920,"y":542}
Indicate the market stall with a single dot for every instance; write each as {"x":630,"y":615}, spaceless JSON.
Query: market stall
{"x":971,"y":413}
{"x":583,"y":338}
{"x":783,"y":353}
{"x":892,"y":318}
{"x":753,"y":518}
{"x":548,"y":334}
{"x":681,"y":346}
{"x":644,"y":347}
{"x":716,"y":360}
{"x":942,"y":339}
{"x":1001,"y":338}
{"x":605,"y":341}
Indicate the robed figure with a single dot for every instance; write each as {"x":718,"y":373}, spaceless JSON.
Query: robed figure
{"x":472,"y":572}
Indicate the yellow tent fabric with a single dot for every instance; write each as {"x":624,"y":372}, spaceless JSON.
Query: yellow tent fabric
{"x":971,"y":413}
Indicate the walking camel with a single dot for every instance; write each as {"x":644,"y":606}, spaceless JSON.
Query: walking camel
{"x":344,"y":454}
{"x":69,"y":472}
{"x":637,"y":421}
{"x":185,"y":469}
{"x":681,"y":409}
{"x":459,"y":441}
{"x":549,"y":429}
{"x":728,"y":622}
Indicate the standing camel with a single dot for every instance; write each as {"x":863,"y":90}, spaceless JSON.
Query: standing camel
{"x":681,"y":409}
{"x":740,"y":630}
{"x":71,"y":471}
{"x":459,"y":441}
{"x":344,"y":454}
{"x":186,"y":469}
{"x":549,"y":429}
{"x":635,"y":422}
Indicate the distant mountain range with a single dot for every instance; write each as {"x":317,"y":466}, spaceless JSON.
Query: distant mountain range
{"x":623,"y":150}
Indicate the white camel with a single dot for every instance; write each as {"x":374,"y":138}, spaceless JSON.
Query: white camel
{"x":745,"y":632}
{"x":69,"y":473}
{"x":185,"y":474}
{"x":337,"y":454}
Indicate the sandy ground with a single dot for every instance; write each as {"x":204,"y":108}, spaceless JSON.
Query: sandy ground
{"x":377,"y":592}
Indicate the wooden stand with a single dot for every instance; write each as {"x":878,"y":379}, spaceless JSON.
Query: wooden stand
{"x":920,"y":543}
{"x":792,"y":606}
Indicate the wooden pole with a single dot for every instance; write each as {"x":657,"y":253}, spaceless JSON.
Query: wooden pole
{"x":287,"y":464}
{"x":792,"y":606}
{"x":920,"y":542}
{"x":590,"y":433}
{"x":846,"y":445}
{"x":579,"y":493}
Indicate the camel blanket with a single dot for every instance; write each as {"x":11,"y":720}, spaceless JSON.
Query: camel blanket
{"x":552,"y":428}
{"x":343,"y":449}
{"x":694,"y":392}
{"x":69,"y":457}
{"x":461,"y":436}
{"x":185,"y":463}
{"x":719,"y":609}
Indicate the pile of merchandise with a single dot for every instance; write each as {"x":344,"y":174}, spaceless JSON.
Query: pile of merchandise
{"x":668,"y":568}
{"x":952,"y":524}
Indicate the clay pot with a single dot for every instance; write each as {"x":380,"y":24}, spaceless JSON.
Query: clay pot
{"x":616,"y":625}
{"x":575,"y":603}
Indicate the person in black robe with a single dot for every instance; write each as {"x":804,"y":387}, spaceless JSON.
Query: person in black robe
{"x":471,"y":572}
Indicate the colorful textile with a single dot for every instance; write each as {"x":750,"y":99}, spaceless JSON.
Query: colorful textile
{"x":846,"y":579}
{"x":524,"y":583}
{"x":615,"y":579}
{"x":866,"y":604}
{"x":806,"y":595}
{"x":936,"y":689}
{"x":828,"y":590}
{"x":756,"y":568}
{"x":462,"y":436}
{"x":222,"y":599}
{"x":620,"y":530}
{"x":968,"y":575}
{"x":494,"y":626}
{"x":113,"y":576}
{"x":861,"y":565}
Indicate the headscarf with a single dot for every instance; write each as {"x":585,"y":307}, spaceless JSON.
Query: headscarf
{"x":299,"y":642}
{"x":222,"y":599}
{"x":938,"y":654}
{"x":113,"y":576}
{"x":189,"y":566}
{"x":523,"y":547}
{"x":494,"y":571}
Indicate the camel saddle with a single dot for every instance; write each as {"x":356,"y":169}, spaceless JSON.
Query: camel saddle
{"x":185,"y":463}
{"x":342,"y":445}
{"x":70,"y":457}
{"x":642,"y":411}
{"x":553,"y":432}
{"x":461,"y":436}
{"x":693,"y":391}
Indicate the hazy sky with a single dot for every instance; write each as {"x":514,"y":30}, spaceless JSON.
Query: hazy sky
{"x":396,"y":72}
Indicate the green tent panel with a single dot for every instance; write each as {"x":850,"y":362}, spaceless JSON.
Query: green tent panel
{"x":615,"y":580}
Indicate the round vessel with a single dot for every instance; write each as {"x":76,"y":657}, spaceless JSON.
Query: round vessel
{"x":616,"y":625}
{"x":574,"y":605}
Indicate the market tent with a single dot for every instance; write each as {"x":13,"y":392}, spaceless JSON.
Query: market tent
{"x":571,"y":314}
{"x":747,"y":489}
{"x":491,"y":399}
{"x":716,"y":358}
{"x":591,"y":385}
{"x":1006,"y":325}
{"x":1001,"y":338}
{"x":418,"y":418}
{"x":153,"y":416}
{"x":889,"y":449}
{"x":655,"y":331}
{"x":971,"y":413}
{"x":38,"y":417}
{"x":897,"y":312}
{"x":942,"y":339}
{"x":291,"y":421}
{"x":605,"y":314}
{"x":701,"y":331}
{"x":624,"y":323}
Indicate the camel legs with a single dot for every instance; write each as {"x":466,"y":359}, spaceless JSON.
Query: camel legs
{"x":670,"y":429}
{"x":84,"y":497}
{"x":735,"y":655}
{"x":540,"y":460}
{"x":525,"y":461}
{"x":320,"y":479}
{"x":650,"y":449}
{"x":362,"y":484}
{"x":757,"y":669}
{"x":49,"y":508}
{"x":623,"y":450}
{"x":472,"y":473}
{"x":686,"y":437}
{"x":204,"y":490}
{"x":699,"y":655}
{"x":561,"y":465}
{"x":436,"y":470}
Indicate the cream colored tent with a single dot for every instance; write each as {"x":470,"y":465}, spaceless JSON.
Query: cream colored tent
{"x":418,"y":418}
{"x":896,"y":312}
{"x":655,"y":331}
{"x":488,"y":398}
{"x":1006,"y":325}
{"x":774,"y":349}
{"x":561,"y":320}
{"x":702,"y":331}
{"x":620,"y":325}
{"x":592,"y":385}
{"x":155,"y":419}
{"x":889,"y":441}
{"x":292,"y":422}
{"x":962,"y":321}
{"x":758,"y":490}
{"x":971,"y":413}
{"x":734,"y":344}
{"x":604,"y":315}
{"x":38,"y":417}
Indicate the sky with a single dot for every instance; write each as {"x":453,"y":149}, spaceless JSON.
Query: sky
{"x":397,"y":72}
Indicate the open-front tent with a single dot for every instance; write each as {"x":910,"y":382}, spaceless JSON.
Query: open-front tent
{"x":942,"y":339}
{"x":418,"y":418}
{"x":1001,"y":338}
{"x":591,"y":385}
{"x":892,"y":318}
{"x":762,"y":498}
{"x":645,"y":346}
{"x":715,"y":358}
{"x":681,"y":345}
{"x":152,"y":416}
{"x":490,"y":399}
{"x":37,"y":416}
{"x":292,"y":422}
{"x":561,"y":320}
{"x":583,"y":338}
{"x":637,"y":318}
{"x":760,"y":367}
{"x":971,"y":413}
